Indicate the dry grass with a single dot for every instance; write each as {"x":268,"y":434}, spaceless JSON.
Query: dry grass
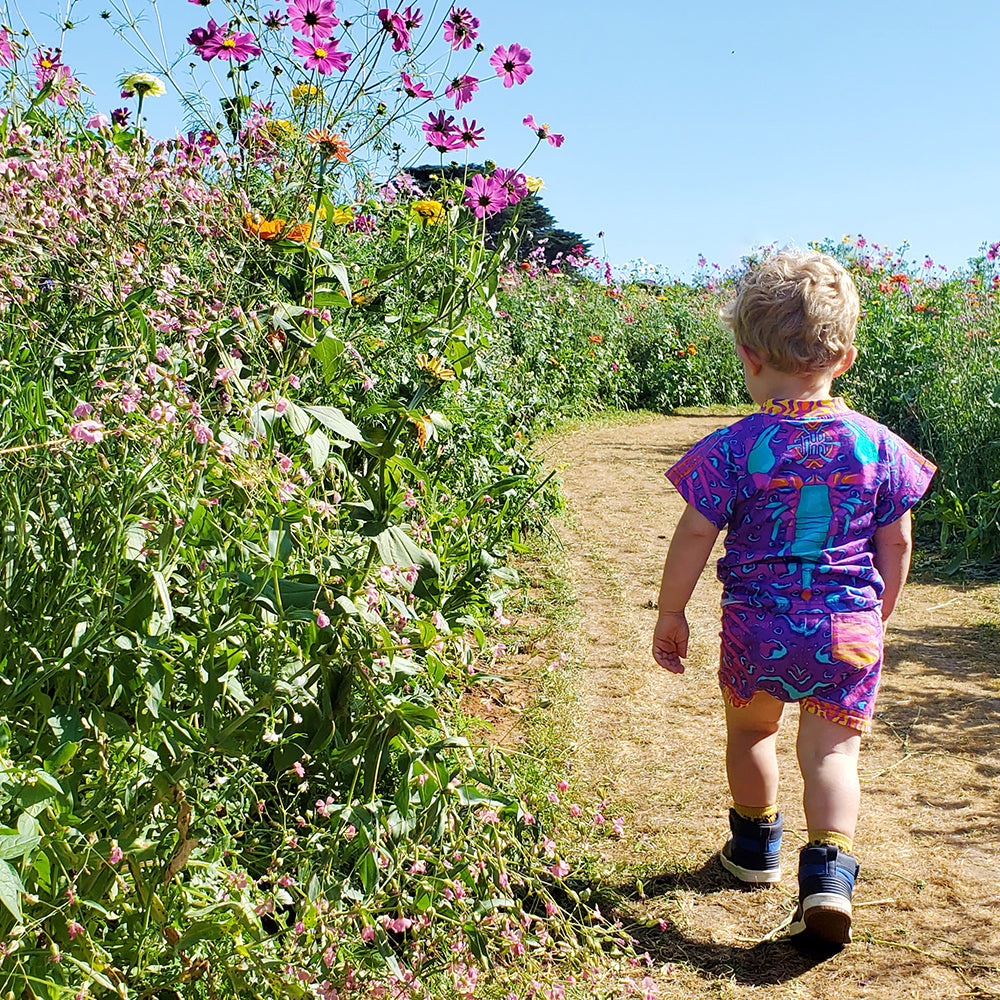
{"x":929,"y":837}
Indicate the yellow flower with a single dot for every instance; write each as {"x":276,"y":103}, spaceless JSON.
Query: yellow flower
{"x":279,"y":128}
{"x":144,"y":84}
{"x":320,"y":212}
{"x":430,"y":211}
{"x":330,"y":143}
{"x":534,"y":184}
{"x":435,"y":367}
{"x":306,"y":92}
{"x":343,"y":214}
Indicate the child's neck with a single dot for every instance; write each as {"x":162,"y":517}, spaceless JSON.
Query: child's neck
{"x":773,"y":384}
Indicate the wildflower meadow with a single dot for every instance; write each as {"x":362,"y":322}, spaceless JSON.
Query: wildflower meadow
{"x":267,"y":404}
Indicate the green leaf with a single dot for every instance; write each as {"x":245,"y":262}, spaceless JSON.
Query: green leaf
{"x":11,"y":890}
{"x":164,"y":594}
{"x":297,"y":418}
{"x":395,"y":547}
{"x":319,"y":449}
{"x":334,"y":419}
{"x":16,"y":845}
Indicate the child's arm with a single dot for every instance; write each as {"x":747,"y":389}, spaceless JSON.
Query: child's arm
{"x":690,"y":547}
{"x":893,"y":544}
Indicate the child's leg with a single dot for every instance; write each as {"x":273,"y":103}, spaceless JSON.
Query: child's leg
{"x":751,"y":758}
{"x":828,"y":759}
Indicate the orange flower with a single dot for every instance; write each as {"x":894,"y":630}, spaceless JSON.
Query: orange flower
{"x":421,"y":425}
{"x":265,"y":229}
{"x":330,"y":143}
{"x":435,"y":367}
{"x":596,"y":339}
{"x":920,"y":307}
{"x":300,"y":233}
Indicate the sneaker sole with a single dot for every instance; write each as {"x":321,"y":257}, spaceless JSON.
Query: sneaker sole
{"x":825,"y":915}
{"x":750,"y":875}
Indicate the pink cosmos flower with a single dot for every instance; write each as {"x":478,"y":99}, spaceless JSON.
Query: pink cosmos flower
{"x":414,"y":89}
{"x":274,"y":20}
{"x":199,"y":36}
{"x":87,"y":431}
{"x":460,"y":28}
{"x":321,"y":56}
{"x":6,"y":49}
{"x":412,"y":18}
{"x":313,"y":17}
{"x":440,"y":132}
{"x":469,"y":134}
{"x":515,"y":185}
{"x":461,"y":89}
{"x":511,"y":64}
{"x":233,"y":46}
{"x":542,"y":131}
{"x":394,"y":23}
{"x":485,"y":196}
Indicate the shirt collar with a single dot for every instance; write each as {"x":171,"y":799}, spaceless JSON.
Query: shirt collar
{"x":804,"y":407}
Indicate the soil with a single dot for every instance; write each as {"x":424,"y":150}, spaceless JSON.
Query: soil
{"x":927,"y":901}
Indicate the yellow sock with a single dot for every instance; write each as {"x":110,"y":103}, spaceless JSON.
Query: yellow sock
{"x":765,"y":814}
{"x":838,"y":840}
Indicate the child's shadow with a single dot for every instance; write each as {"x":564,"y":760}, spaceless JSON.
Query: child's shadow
{"x":762,"y":964}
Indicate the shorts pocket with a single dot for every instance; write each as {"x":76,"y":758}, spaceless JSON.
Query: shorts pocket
{"x":856,"y":638}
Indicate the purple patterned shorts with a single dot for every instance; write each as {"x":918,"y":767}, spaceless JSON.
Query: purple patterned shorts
{"x":830,"y":663}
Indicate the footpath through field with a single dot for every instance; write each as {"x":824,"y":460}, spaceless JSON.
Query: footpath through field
{"x":927,"y":904}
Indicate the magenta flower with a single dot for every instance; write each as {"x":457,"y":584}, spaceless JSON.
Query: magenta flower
{"x":201,"y":3}
{"x":542,"y":131}
{"x":395,"y":24}
{"x":414,"y":89}
{"x":120,"y":117}
{"x":6,"y":49}
{"x":321,"y":56}
{"x":274,"y":20}
{"x":485,"y":196}
{"x":218,"y":42}
{"x":469,"y":134}
{"x":511,"y":64}
{"x":461,"y":89}
{"x":313,"y":17}
{"x":440,"y":132}
{"x":515,"y":187}
{"x":412,"y":18}
{"x":460,"y":28}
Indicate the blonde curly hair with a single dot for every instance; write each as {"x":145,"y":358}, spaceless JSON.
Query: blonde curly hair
{"x":797,"y":311}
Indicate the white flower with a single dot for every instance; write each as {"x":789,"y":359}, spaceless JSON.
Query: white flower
{"x":144,"y":84}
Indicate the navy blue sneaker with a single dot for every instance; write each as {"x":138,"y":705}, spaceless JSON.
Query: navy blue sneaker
{"x":826,"y":883}
{"x":753,"y":852}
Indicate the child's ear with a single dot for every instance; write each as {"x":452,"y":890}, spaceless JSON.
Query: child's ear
{"x":750,"y":358}
{"x":845,"y":363}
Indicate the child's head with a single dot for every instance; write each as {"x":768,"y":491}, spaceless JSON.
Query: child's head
{"x":797,"y":311}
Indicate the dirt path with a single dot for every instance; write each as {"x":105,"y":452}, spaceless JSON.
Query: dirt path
{"x":927,"y":920}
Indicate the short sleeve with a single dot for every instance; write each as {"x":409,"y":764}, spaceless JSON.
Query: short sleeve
{"x":707,"y":479}
{"x":908,"y":475}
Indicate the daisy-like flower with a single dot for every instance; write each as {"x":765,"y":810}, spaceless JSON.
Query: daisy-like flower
{"x":304,"y":93}
{"x":485,"y":196}
{"x":264,"y":229}
{"x":534,"y":184}
{"x":321,"y":56}
{"x":428,"y":210}
{"x":233,"y":46}
{"x":394,"y":23}
{"x":143,"y":84}
{"x":515,"y":185}
{"x":412,"y":18}
{"x":542,"y":131}
{"x":511,"y":64}
{"x":313,"y":17}
{"x":469,"y":134}
{"x":274,"y":20}
{"x":461,"y":89}
{"x":413,"y":89}
{"x":460,"y":28}
{"x":435,"y":367}
{"x":440,"y":132}
{"x":7,"y":54}
{"x":329,"y":143}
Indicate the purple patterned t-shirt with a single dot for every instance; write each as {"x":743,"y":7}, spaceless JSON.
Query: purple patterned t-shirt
{"x":801,"y":486}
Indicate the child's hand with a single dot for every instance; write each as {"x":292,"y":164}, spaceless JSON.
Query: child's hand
{"x":670,"y":640}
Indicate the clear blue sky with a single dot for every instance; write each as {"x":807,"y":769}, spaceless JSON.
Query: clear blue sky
{"x":707,"y":128}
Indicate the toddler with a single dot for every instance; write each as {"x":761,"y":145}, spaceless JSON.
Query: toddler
{"x":815,"y":500}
